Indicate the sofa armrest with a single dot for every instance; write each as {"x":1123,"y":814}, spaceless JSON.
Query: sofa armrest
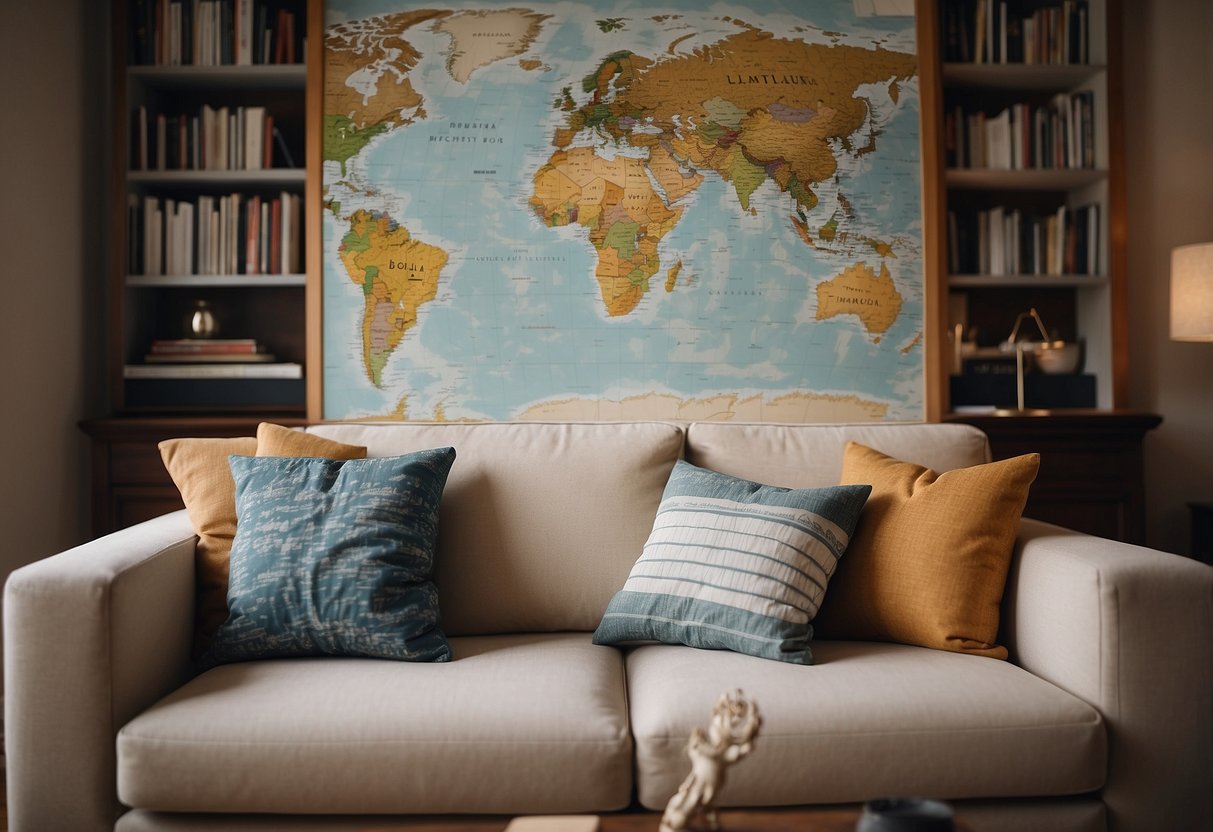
{"x":1129,"y":630}
{"x":92,"y":636}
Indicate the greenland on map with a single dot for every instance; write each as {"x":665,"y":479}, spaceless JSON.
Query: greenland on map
{"x":551,"y":211}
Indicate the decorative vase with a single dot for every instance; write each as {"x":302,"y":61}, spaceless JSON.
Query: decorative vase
{"x":201,"y":321}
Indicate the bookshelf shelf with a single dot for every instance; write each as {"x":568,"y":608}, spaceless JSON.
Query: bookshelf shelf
{"x":1020,"y":77}
{"x":275,"y":177}
{"x":214,"y":281}
{"x":1050,"y":179}
{"x":222,"y":79}
{"x":1021,"y":281}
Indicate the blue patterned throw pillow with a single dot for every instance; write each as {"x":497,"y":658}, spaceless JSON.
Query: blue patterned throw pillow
{"x":734,"y":565}
{"x":334,"y":557}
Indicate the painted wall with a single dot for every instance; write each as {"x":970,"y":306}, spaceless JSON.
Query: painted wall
{"x":51,"y":94}
{"x":1169,"y":135}
{"x":53,"y":164}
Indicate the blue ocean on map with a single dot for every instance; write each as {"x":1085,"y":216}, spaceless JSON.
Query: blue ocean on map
{"x":519,"y":319}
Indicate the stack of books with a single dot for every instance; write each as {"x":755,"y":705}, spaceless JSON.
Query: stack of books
{"x":211,"y":358}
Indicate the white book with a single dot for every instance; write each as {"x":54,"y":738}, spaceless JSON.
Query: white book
{"x":998,"y":254}
{"x":254,"y":137}
{"x":216,"y":370}
{"x":998,"y":141}
{"x":244,"y":31}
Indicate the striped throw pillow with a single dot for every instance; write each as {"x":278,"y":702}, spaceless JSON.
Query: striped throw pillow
{"x":734,"y":565}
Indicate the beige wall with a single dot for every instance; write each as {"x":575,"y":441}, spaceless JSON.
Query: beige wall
{"x":50,"y":268}
{"x":1169,"y":134}
{"x":53,"y":163}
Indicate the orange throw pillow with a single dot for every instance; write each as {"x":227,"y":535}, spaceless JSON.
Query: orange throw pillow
{"x":199,"y":468}
{"x":928,"y":563}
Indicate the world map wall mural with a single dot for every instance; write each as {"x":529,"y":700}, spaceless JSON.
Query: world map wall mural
{"x":552,"y":211}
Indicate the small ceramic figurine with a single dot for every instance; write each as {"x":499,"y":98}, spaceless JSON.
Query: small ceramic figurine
{"x":730,"y":736}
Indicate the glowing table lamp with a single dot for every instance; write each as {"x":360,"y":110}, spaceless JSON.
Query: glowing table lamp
{"x":1192,"y":293}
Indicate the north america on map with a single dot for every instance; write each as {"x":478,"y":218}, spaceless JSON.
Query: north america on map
{"x":535,"y":212}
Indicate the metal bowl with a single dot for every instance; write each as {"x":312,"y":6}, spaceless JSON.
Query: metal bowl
{"x":1058,"y":357}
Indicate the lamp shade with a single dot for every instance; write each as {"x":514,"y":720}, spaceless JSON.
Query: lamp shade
{"x":1192,"y":293}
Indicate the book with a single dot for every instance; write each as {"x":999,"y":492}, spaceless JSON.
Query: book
{"x":209,"y":358}
{"x":214,"y":370}
{"x":196,"y":346}
{"x":254,"y":137}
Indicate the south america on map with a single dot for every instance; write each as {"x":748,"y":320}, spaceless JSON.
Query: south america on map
{"x":537,"y":211}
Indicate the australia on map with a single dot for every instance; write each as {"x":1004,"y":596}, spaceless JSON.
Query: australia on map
{"x":533,"y":211}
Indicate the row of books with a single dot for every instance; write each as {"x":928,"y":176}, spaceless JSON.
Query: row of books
{"x":998,"y":32}
{"x":215,"y":138}
{"x":215,"y":235}
{"x":1059,"y":134}
{"x":1002,"y":241}
{"x":215,"y":32}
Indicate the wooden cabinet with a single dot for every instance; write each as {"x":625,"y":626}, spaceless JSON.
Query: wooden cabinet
{"x":1091,"y":477}
{"x":129,"y":481}
{"x":209,"y":126}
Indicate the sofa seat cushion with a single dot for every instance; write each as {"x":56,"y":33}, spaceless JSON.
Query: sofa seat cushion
{"x":514,"y":724}
{"x":867,"y":720}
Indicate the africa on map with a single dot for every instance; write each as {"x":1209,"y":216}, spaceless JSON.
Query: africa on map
{"x":536,"y":211}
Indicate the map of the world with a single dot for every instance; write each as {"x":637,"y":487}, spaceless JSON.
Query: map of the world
{"x":669,"y":210}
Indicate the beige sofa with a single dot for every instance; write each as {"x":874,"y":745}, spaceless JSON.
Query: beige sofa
{"x":1102,"y":718}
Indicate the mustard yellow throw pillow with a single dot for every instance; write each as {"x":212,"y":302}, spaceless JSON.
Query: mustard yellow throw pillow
{"x":928,"y":562}
{"x":199,"y":467}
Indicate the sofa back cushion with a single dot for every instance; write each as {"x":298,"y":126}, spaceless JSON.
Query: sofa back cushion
{"x":540,"y":523}
{"x":810,"y":456}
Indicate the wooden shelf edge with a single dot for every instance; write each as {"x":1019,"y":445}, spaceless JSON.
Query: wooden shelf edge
{"x":1032,"y":77}
{"x":226,"y":77}
{"x":1026,"y":179}
{"x":239,"y":281}
{"x":1026,"y":281}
